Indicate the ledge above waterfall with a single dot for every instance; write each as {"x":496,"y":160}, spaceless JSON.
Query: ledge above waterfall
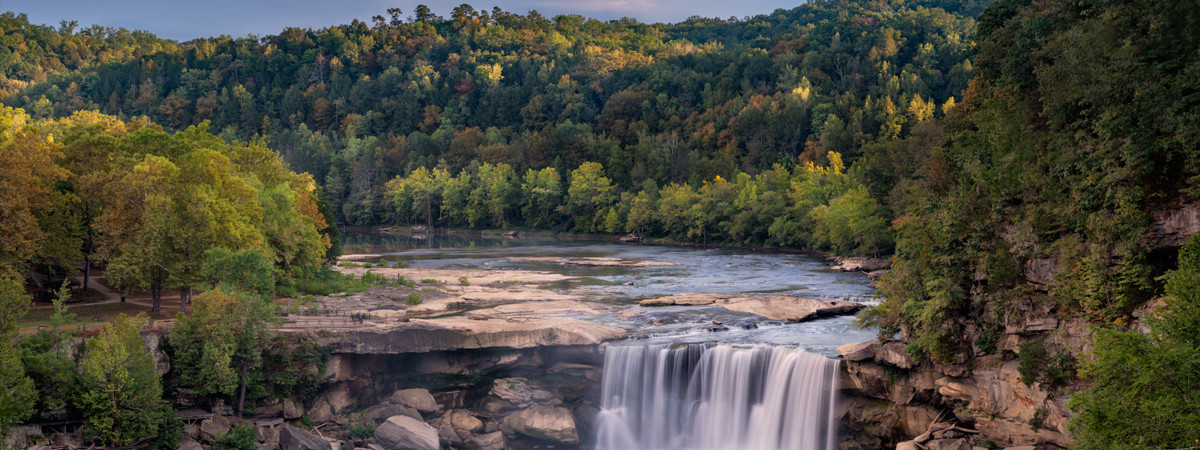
{"x":779,"y":307}
{"x":456,"y":333}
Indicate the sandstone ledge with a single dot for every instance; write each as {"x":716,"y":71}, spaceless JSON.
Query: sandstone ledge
{"x":779,"y":307}
{"x":458,"y":333}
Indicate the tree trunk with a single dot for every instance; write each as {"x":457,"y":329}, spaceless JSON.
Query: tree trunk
{"x":156,"y":295}
{"x":242,"y":395}
{"x":428,"y":216}
{"x":87,"y":269}
{"x":185,"y":296}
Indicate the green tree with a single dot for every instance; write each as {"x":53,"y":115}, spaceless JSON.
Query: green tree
{"x":17,"y":393}
{"x":588,"y":196}
{"x":850,"y":224}
{"x":222,"y":341}
{"x":1143,"y":386}
{"x":119,"y":392}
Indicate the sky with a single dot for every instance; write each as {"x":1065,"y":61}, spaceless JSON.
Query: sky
{"x":184,"y":20}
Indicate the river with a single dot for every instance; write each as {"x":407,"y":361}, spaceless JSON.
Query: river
{"x":678,"y":382}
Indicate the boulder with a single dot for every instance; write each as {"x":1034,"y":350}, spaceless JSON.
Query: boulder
{"x":406,"y":433}
{"x":418,"y":399}
{"x":212,"y":427}
{"x":320,"y":412}
{"x":382,"y":413}
{"x":490,"y":441}
{"x":464,"y":421}
{"x":858,"y":352}
{"x":550,"y":423}
{"x":892,"y":353}
{"x":292,"y":409}
{"x":292,"y":438}
{"x":221,"y":409}
{"x":266,"y":435}
{"x":449,"y":438}
{"x":190,"y":445}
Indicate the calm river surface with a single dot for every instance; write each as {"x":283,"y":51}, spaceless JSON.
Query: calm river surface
{"x":714,"y":270}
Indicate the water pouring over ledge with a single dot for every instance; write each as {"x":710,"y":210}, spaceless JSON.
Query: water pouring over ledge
{"x":717,"y":397}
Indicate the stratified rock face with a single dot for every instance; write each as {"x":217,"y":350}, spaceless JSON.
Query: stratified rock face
{"x":292,"y":438}
{"x":551,"y":423}
{"x":456,"y":333}
{"x":990,"y":396}
{"x":518,"y":393}
{"x":418,"y":399}
{"x":406,"y":433}
{"x":779,"y":307}
{"x":1172,"y":228}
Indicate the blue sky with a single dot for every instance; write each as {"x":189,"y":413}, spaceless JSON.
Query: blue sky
{"x":183,"y":20}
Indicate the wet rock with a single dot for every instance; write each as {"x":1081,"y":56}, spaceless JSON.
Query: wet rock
{"x":292,"y":438}
{"x":418,"y":399}
{"x":779,"y":307}
{"x":406,"y":433}
{"x":858,"y":352}
{"x":212,"y":427}
{"x":550,"y":423}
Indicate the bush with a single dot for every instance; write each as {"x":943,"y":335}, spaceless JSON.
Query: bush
{"x":1033,"y":359}
{"x":413,"y":299}
{"x":242,"y":437}
{"x":1142,"y":391}
{"x":361,"y":431}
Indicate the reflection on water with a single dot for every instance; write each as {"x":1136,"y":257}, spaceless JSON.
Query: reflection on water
{"x":716,"y":270}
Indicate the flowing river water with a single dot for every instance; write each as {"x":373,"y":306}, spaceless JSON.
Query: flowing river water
{"x":678,"y":382}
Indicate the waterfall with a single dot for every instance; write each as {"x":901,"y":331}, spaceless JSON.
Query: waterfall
{"x":716,"y":397}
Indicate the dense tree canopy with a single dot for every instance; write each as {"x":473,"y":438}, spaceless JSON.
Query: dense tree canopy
{"x":358,"y":105}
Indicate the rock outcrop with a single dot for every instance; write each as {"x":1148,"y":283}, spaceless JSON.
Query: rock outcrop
{"x":786,"y":308}
{"x":896,"y":398}
{"x":406,"y":433}
{"x":457,"y":333}
{"x":551,"y":423}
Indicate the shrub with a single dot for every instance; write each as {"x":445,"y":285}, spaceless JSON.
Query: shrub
{"x":462,"y":281}
{"x":361,"y":431}
{"x":242,"y":437}
{"x":413,"y":299}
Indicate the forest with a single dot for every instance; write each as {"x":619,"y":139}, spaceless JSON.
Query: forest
{"x":965,"y":140}
{"x":752,"y":101}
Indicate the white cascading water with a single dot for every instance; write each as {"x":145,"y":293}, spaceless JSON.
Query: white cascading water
{"x":717,"y":397}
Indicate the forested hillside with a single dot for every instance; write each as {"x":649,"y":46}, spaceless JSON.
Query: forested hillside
{"x":724,"y":111}
{"x":1078,"y":131}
